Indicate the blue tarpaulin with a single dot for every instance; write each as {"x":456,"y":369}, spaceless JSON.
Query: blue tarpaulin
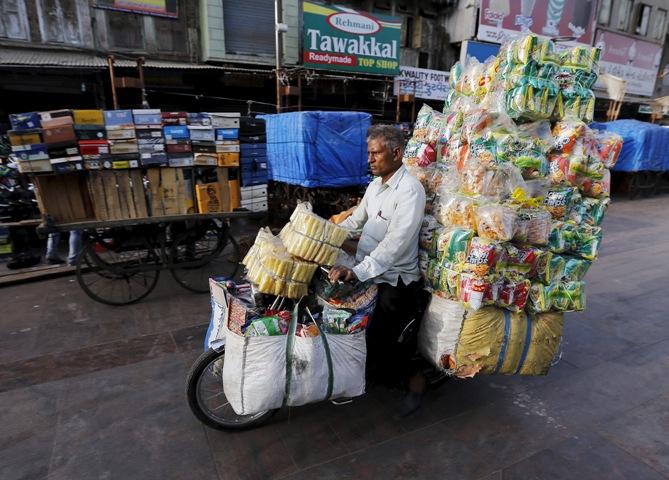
{"x":645,"y":145}
{"x":318,"y":149}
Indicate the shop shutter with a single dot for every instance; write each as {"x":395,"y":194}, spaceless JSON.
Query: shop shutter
{"x":249,"y":27}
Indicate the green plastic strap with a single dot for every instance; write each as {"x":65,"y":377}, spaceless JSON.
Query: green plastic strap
{"x":328,"y":357}
{"x":290,"y":344}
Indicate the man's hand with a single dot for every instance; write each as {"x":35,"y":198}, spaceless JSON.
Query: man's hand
{"x":342,"y":273}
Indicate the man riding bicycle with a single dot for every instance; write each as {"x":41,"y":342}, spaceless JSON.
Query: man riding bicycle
{"x":388,"y":220}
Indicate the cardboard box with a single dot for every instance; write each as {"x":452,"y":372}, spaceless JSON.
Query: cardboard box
{"x":123,"y":146}
{"x":202,"y":119}
{"x":147,"y":117}
{"x":56,"y":118}
{"x":209,"y":198}
{"x":122,"y":164}
{"x":35,"y":166}
{"x":36,"y":151}
{"x":205,"y":159}
{"x":117,"y":194}
{"x":151,"y":147}
{"x":176,"y":132}
{"x":25,"y":121}
{"x":230,"y":159}
{"x":224,"y":119}
{"x":150,"y":133}
{"x":227,"y":147}
{"x":92,"y":164}
{"x":174,"y":118}
{"x":203,"y":134}
{"x":58,"y":151}
{"x":67,"y":164}
{"x":179,"y":148}
{"x":154,"y":160}
{"x":180,"y":160}
{"x":119,"y":119}
{"x":235,"y":193}
{"x":121,"y":134}
{"x":253,"y":149}
{"x":203,"y":147}
{"x":256,"y":205}
{"x":227,"y":134}
{"x":258,"y":192}
{"x":93,"y":147}
{"x":88,"y":117}
{"x":24,"y":137}
{"x":169,"y":194}
{"x":59,"y":135}
{"x":89,"y":132}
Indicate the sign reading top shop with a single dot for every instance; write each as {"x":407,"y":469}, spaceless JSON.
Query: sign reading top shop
{"x":340,"y":38}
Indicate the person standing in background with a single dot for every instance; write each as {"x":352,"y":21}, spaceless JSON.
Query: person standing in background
{"x":52,"y":256}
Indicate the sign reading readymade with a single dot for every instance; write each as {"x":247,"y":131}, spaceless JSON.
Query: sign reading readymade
{"x":340,"y":38}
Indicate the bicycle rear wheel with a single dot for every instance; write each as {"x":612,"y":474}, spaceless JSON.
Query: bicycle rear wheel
{"x":206,"y":398}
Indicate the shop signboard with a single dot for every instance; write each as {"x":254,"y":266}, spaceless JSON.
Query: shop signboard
{"x":635,"y":61}
{"x":161,"y":8}
{"x":424,"y":83}
{"x":503,"y":20}
{"x":340,"y":38}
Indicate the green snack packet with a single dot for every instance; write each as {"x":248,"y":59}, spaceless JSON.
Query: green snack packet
{"x":540,"y":298}
{"x":449,"y":283}
{"x":263,"y":327}
{"x":550,"y":271}
{"x":569,"y":297}
{"x":587,"y":239}
{"x":575,"y":268}
{"x":453,"y":245}
{"x":433,"y":273}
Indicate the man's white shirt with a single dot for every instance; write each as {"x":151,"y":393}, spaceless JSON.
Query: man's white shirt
{"x":388,"y":219}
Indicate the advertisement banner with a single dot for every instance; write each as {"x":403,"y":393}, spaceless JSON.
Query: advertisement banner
{"x":478,"y":50}
{"x":161,"y":8}
{"x":427,"y":84}
{"x":340,"y":38}
{"x":502,"y":20}
{"x":635,"y":61}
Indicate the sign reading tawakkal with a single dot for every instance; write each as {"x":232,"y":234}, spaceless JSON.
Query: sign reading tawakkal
{"x":339,"y":38}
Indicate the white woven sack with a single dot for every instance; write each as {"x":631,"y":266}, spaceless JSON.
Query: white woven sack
{"x":440,"y":329}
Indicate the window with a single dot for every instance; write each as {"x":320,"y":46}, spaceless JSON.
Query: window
{"x":61,"y":21}
{"x":659,"y":20}
{"x":170,"y":35}
{"x":642,"y":20}
{"x":13,"y":20}
{"x":126,"y":30}
{"x":423,"y":60}
{"x":624,"y":11}
{"x":406,"y":36}
{"x":604,"y":16}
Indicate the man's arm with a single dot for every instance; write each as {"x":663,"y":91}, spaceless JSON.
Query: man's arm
{"x":357,"y":220}
{"x":405,"y":223}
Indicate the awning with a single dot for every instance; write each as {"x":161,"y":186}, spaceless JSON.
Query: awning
{"x":32,"y":58}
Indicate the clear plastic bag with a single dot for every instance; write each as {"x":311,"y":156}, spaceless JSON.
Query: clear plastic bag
{"x":455,"y":210}
{"x":496,"y":222}
{"x":533,"y":226}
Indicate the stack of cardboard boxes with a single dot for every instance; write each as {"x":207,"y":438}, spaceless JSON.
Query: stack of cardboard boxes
{"x":61,"y":141}
{"x":150,"y":141}
{"x":89,"y":127}
{"x":177,"y":139}
{"x":122,"y":138}
{"x":27,"y":143}
{"x":253,"y":163}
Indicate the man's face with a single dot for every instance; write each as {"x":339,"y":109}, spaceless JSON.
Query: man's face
{"x":382,"y":160}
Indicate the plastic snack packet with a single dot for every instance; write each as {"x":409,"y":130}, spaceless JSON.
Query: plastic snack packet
{"x":569,"y":297}
{"x":449,"y":283}
{"x":452,"y":245}
{"x":550,"y":268}
{"x":517,"y":263}
{"x":456,"y":210}
{"x":422,"y":121}
{"x":496,"y":222}
{"x":566,"y":133}
{"x":558,"y":202}
{"x":540,"y":298}
{"x":482,"y":256}
{"x":473,"y":291}
{"x":427,"y":229}
{"x":590,"y":211}
{"x":586,"y":242}
{"x":575,"y":268}
{"x":513,"y":295}
{"x":533,"y":225}
{"x":608,"y":146}
{"x":596,"y":188}
{"x":433,"y":273}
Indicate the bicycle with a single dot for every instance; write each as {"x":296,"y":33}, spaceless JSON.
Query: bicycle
{"x":207,"y":401}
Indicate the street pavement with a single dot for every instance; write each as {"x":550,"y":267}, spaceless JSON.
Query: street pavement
{"x":95,"y":392}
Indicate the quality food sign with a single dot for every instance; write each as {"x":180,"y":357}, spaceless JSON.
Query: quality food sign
{"x":340,"y":38}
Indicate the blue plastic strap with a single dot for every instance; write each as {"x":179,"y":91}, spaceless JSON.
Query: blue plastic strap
{"x":505,"y":341}
{"x":526,"y":348}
